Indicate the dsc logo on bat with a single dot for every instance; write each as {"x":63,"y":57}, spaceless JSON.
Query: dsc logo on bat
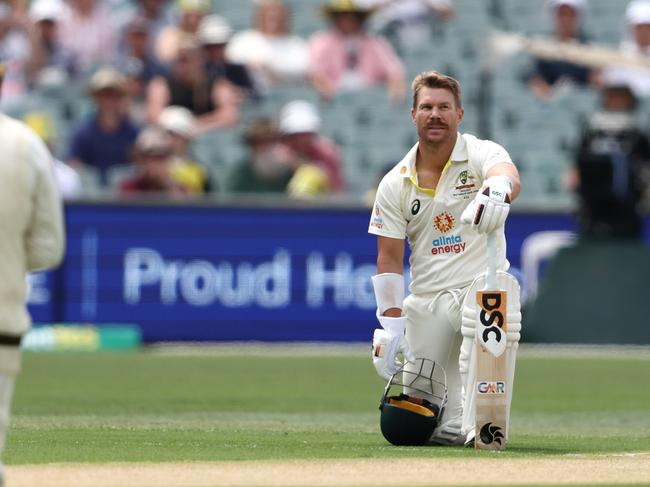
{"x":491,"y":332}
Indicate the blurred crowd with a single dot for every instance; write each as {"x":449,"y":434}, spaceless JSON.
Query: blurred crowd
{"x":157,"y":74}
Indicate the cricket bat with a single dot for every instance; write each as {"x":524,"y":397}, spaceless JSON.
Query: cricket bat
{"x":490,"y":352}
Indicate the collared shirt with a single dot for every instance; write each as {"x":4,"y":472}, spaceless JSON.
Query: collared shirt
{"x":375,"y":60}
{"x":91,"y":145}
{"x":92,"y":39}
{"x":445,"y":253}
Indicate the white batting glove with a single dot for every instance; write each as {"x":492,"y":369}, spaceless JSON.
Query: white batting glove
{"x":489,"y":210}
{"x":387,"y":343}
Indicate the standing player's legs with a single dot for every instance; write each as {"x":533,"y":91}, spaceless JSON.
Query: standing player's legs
{"x":9,"y":368}
{"x":433,"y":332}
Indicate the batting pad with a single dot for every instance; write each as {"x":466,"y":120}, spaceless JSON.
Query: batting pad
{"x":466,"y":360}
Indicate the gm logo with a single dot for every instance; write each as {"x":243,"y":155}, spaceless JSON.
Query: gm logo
{"x":491,"y":387}
{"x":491,"y":333}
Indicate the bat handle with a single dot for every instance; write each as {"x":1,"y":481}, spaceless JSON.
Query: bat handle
{"x":491,"y":276}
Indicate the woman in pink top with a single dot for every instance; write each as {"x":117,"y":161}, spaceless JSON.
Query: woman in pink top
{"x":347,"y":58}
{"x":89,"y":32}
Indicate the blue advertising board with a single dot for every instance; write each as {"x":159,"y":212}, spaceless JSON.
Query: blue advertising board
{"x":226,"y":273}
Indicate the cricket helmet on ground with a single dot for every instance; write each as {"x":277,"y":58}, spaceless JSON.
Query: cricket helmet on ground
{"x":409,"y":418}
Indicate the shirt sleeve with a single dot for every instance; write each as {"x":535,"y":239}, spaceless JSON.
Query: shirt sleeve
{"x":317,"y":49}
{"x":45,"y":235}
{"x":389,"y":60}
{"x":493,"y":154}
{"x":387,"y":219}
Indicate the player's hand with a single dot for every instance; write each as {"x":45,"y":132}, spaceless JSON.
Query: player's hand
{"x":489,"y":210}
{"x":387,"y":344}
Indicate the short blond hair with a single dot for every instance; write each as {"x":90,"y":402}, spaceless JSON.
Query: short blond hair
{"x":434,"y":79}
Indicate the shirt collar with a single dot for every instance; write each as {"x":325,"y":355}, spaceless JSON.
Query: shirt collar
{"x":458,"y":154}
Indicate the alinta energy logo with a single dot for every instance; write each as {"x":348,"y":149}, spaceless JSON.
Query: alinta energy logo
{"x":491,"y":433}
{"x":446,"y":244}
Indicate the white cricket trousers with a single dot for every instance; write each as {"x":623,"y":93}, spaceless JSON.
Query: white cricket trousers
{"x":10,"y":358}
{"x":433,"y":332}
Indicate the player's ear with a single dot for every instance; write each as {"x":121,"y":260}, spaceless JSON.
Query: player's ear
{"x":461,"y":114}
{"x":413,"y":115}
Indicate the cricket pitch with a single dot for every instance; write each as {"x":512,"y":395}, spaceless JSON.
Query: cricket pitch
{"x":576,"y":469}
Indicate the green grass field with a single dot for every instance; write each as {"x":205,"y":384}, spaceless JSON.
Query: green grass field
{"x":227,"y":404}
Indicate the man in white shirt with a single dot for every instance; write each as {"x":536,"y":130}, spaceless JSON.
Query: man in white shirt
{"x":32,"y":239}
{"x":636,"y":42}
{"x":445,"y":179}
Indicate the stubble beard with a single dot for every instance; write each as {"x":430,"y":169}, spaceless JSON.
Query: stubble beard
{"x":437,"y":143}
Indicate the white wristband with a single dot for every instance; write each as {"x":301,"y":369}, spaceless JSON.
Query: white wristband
{"x":389,"y":291}
{"x":499,"y":180}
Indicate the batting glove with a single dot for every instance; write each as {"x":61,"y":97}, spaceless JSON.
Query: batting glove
{"x":489,"y":210}
{"x":387,"y":343}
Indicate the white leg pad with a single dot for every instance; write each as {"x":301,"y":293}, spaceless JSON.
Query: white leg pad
{"x":466,"y":359}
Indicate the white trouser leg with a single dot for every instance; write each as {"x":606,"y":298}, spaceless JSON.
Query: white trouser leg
{"x":10,"y":358}
{"x":6,"y":394}
{"x":432,"y":332}
{"x":466,"y":364}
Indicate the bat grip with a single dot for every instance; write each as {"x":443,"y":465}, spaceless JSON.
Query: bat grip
{"x":491,"y":276}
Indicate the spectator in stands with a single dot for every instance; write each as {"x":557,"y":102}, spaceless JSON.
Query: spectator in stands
{"x":214,"y":35}
{"x":137,"y":34}
{"x":67,"y":178}
{"x":153,"y":160}
{"x":185,"y":170}
{"x":136,"y":92}
{"x":567,"y":25}
{"x":89,"y":32}
{"x":215,"y":102}
{"x":172,"y":36}
{"x":49,"y":62}
{"x":155,"y":12}
{"x":347,"y":58}
{"x":271,"y":52}
{"x":268,"y":167}
{"x":300,"y":124}
{"x":613,"y":165}
{"x":14,"y":52}
{"x":636,"y":42}
{"x":106,"y":137}
{"x":408,"y":23}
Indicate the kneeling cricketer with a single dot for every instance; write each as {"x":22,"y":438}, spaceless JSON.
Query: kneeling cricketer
{"x":448,"y":195}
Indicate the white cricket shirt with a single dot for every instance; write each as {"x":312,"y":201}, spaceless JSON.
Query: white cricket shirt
{"x":31,"y":218}
{"x":445,"y":253}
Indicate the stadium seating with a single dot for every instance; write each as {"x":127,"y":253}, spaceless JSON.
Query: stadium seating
{"x":374,"y":133}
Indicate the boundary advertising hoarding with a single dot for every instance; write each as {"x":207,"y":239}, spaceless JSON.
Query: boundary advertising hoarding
{"x":214,"y":272}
